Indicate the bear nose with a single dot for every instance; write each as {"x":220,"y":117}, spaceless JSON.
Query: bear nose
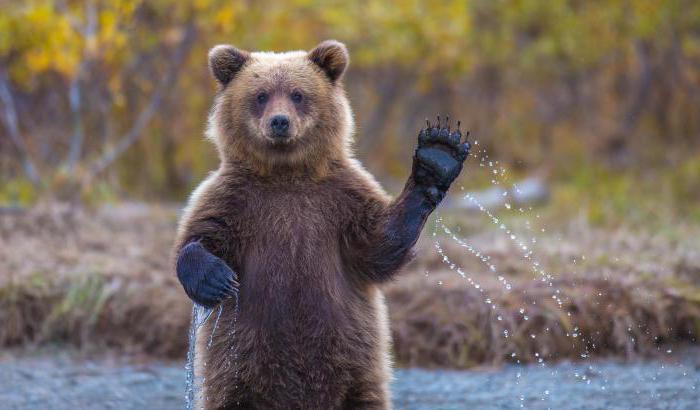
{"x":280,"y":126}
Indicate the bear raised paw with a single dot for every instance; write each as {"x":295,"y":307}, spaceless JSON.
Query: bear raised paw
{"x":439,"y":157}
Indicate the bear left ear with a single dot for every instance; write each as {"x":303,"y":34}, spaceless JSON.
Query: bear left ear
{"x":226,"y":61}
{"x":332,"y":57}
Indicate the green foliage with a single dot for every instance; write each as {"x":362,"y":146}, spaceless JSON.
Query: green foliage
{"x":634,"y":197}
{"x":17,"y":191}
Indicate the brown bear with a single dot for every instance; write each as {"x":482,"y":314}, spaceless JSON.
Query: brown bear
{"x":293,"y":237}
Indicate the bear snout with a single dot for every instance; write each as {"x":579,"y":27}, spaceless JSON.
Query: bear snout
{"x":280,"y":127}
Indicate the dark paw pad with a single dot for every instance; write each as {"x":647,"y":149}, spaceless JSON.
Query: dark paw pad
{"x":439,"y":157}
{"x":439,"y":161}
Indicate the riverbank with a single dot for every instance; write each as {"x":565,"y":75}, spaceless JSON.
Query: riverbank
{"x":101,"y":279}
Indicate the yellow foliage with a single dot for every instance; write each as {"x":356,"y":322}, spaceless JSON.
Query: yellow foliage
{"x":502,"y":65}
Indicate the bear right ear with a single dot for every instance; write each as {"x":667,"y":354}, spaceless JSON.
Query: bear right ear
{"x":225,"y":61}
{"x":332,"y":57}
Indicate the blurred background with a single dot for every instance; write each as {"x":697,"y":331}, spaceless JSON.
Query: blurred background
{"x":587,"y":128}
{"x":112,"y":97}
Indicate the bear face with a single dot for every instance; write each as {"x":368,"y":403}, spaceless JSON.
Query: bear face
{"x":276,"y":111}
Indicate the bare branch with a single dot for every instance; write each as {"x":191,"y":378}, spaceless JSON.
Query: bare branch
{"x":12,"y":125}
{"x":617,"y":145}
{"x":642,"y":90}
{"x":376,"y":123}
{"x":145,"y":116}
{"x":75,"y":89}
{"x":76,"y":143}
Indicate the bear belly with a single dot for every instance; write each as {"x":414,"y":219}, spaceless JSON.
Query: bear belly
{"x":300,"y":341}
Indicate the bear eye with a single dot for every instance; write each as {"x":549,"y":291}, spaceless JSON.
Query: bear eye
{"x":262,"y":98}
{"x":297,"y":97}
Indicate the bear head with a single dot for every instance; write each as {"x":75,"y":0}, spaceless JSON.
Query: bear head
{"x":279,"y":112}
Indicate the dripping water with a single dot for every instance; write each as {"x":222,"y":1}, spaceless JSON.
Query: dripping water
{"x":523,"y":246}
{"x":216,"y":324}
{"x":194,"y":382}
{"x":200,"y":314}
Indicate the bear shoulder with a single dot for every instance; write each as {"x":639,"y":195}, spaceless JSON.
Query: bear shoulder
{"x":359,"y":182}
{"x":207,"y":209}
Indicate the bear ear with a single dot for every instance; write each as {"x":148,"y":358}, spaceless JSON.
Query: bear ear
{"x":225,"y":61}
{"x":332,"y":57}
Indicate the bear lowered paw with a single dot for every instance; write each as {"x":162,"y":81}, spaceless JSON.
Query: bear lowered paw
{"x":207,"y":279}
{"x":439,"y":158}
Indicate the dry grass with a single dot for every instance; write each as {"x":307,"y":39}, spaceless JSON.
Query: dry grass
{"x":102,"y":280}
{"x":94,"y":279}
{"x":623,"y":293}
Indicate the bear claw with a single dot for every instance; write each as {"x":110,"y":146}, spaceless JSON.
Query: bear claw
{"x":439,"y":157}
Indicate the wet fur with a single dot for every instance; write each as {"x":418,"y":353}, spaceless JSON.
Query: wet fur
{"x":311,"y":236}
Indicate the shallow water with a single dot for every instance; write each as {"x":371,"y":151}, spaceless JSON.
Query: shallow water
{"x":605,"y":385}
{"x":59,"y":382}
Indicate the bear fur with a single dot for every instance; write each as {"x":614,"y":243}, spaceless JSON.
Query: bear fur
{"x":293,"y":229}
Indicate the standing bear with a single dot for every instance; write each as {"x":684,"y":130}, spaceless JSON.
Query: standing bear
{"x":294,"y":238}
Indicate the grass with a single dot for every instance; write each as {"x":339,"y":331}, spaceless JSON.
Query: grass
{"x":101,"y":279}
{"x":624,"y":293}
{"x":95,"y":280}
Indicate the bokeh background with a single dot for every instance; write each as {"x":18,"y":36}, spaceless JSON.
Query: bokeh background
{"x":590,"y":105}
